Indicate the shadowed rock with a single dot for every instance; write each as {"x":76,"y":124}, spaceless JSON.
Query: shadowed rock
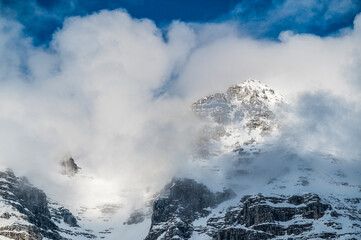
{"x":261,"y":217}
{"x":30,"y":206}
{"x":69,"y":167}
{"x":181,"y":202}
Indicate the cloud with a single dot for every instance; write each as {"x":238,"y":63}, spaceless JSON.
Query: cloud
{"x":114,"y":92}
{"x":92,"y":94}
{"x":324,"y":123}
{"x":299,"y":62}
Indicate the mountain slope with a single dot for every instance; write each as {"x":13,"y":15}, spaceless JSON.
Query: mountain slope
{"x":283,"y":192}
{"x":27,"y":213}
{"x":246,"y":180}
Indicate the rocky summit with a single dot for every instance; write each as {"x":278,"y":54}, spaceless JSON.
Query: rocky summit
{"x":245,"y":113}
{"x":248,"y":105}
{"x":69,"y":167}
{"x":248,"y":182}
{"x":278,"y":191}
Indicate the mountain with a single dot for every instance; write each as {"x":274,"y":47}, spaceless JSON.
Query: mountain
{"x":244,"y":114}
{"x":27,"y":213}
{"x":279,"y":190}
{"x":249,"y":181}
{"x":250,"y":104}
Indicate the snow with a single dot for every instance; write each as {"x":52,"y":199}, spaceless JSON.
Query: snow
{"x":267,"y":165}
{"x":265,"y":93}
{"x":16,"y":218}
{"x":277,"y":168}
{"x":3,"y":238}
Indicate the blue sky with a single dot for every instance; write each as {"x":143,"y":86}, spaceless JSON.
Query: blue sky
{"x":256,"y":18}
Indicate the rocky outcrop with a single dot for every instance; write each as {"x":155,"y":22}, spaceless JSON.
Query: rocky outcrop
{"x":26,"y":213}
{"x":69,"y":167}
{"x":20,"y":232}
{"x":250,"y":102}
{"x":255,"y":217}
{"x":247,"y":109}
{"x":260,"y":217}
{"x":31,"y":204}
{"x":240,"y":234}
{"x":181,"y":202}
{"x":62,"y":214}
{"x":233,"y":143}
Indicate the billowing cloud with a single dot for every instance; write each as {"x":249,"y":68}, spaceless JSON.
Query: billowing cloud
{"x":114,"y":92}
{"x":322,"y":123}
{"x":299,"y":62}
{"x":92,"y":95}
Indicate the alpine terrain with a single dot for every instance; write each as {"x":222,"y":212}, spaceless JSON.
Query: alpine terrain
{"x":249,"y":181}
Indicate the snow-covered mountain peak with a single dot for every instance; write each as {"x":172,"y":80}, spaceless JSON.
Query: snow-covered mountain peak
{"x":249,"y":92}
{"x":246,"y":112}
{"x":252,"y":83}
{"x":238,"y":184}
{"x":253,"y":92}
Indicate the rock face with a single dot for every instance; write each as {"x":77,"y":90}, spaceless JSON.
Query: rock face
{"x":260,"y":217}
{"x":250,"y":103}
{"x":181,"y":202}
{"x":25,"y":211}
{"x":282,"y":193}
{"x":30,"y":207}
{"x":64,"y":214}
{"x":255,"y":217}
{"x":279,"y":189}
{"x":69,"y":167}
{"x":247,"y":109}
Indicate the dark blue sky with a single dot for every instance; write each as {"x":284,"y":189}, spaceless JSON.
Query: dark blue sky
{"x":259,"y":19}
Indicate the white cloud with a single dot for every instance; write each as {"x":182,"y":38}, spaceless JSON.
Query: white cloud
{"x":297,"y":63}
{"x":92,"y":93}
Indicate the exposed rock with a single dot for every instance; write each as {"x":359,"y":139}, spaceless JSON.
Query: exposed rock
{"x":31,"y":203}
{"x":216,"y":106}
{"x":64,"y":214}
{"x":236,"y":123}
{"x":247,"y":109}
{"x":5,"y":215}
{"x":69,"y":167}
{"x":240,"y":234}
{"x":250,"y":102}
{"x":21,"y":232}
{"x":181,"y":202}
{"x":260,"y":217}
{"x":27,"y":213}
